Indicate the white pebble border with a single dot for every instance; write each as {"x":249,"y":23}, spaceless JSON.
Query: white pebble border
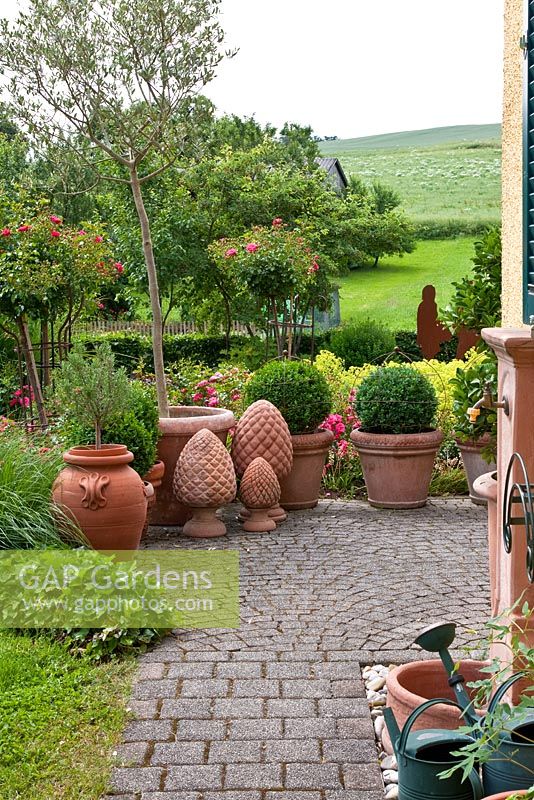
{"x":374,"y":678}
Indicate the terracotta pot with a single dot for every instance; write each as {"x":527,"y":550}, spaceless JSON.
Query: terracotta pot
{"x":176,"y":431}
{"x":474,"y":464}
{"x":397,"y":467}
{"x":301,"y":487}
{"x":155,"y":474}
{"x":411,"y":684}
{"x":505,"y":795}
{"x":105,"y":496}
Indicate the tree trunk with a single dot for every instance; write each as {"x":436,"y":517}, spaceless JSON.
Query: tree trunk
{"x":45,"y":353}
{"x":157,"y":320}
{"x":376,"y":261}
{"x":33,"y":375}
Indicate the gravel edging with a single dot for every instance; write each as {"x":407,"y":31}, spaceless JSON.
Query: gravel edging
{"x":374,"y":678}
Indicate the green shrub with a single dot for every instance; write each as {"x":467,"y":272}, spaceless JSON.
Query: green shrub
{"x":362,"y":343}
{"x":396,"y":400}
{"x":137,"y":427}
{"x":451,"y":228}
{"x":28,"y":518}
{"x":103,"y":644}
{"x":467,"y":388}
{"x":476,"y":302}
{"x":299,"y":391}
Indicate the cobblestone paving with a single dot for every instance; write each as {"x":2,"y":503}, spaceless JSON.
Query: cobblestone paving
{"x":276,"y":710}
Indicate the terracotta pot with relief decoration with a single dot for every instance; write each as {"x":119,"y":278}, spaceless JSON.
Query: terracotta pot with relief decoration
{"x":104,"y":495}
{"x":204,"y":480}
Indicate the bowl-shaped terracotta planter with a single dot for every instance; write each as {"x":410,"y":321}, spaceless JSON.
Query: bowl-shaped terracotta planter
{"x":104,"y":495}
{"x":505,"y":795}
{"x":176,"y":431}
{"x":397,"y":467}
{"x":301,"y":487}
{"x":412,"y":684}
{"x":474,"y":464}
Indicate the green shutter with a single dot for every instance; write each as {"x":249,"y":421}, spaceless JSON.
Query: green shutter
{"x":528,"y":164}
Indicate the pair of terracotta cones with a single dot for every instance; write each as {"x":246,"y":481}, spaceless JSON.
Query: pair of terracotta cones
{"x":205,"y":476}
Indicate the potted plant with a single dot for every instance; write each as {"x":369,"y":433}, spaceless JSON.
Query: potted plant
{"x":397,"y":442}
{"x":302,"y":395}
{"x":105,"y":496}
{"x":477,"y":441}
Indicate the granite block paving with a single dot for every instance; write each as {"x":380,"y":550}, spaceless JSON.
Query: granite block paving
{"x":276,"y":710}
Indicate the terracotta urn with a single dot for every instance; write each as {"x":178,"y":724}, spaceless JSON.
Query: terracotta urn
{"x":262,"y":432}
{"x":412,"y":684}
{"x":397,"y":467}
{"x":176,"y":431}
{"x":301,"y":487}
{"x":474,"y":464}
{"x":204,"y":480}
{"x":260,"y":492}
{"x":104,"y":495}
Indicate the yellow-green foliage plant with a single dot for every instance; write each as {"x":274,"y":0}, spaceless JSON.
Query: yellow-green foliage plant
{"x":342,"y":381}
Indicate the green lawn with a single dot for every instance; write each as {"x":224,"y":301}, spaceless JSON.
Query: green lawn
{"x":441,"y":174}
{"x":391,"y":292}
{"x":59,"y":720}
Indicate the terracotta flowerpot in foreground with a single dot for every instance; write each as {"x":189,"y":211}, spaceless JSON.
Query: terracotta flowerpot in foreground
{"x":105,"y":496}
{"x":397,"y":467}
{"x":301,"y":487}
{"x":505,"y":795}
{"x":412,"y":684}
{"x":176,"y":431}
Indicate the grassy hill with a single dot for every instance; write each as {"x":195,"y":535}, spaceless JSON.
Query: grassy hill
{"x":443,"y":174}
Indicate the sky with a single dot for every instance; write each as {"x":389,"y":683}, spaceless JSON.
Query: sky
{"x":359,"y":67}
{"x":362,"y":67}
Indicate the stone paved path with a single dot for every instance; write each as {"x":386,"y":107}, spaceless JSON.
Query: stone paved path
{"x":276,"y":710}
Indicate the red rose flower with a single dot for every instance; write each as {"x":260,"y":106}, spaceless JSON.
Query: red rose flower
{"x":55,"y":220}
{"x":55,"y":234}
{"x":5,"y":232}
{"x":119,"y":267}
{"x":23,"y":228}
{"x":252,"y":247}
{"x":99,"y":239}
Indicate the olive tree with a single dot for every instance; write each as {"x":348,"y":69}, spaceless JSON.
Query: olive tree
{"x":109,"y":80}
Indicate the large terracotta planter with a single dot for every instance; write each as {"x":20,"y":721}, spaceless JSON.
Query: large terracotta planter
{"x":176,"y":430}
{"x":397,"y":467}
{"x":412,"y":684}
{"x":105,"y":496}
{"x":301,"y":487}
{"x":475,"y":465}
{"x":505,"y":795}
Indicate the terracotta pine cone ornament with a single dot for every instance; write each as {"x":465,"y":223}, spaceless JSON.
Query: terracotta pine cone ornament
{"x":259,"y":491}
{"x":262,"y":432}
{"x":205,"y":480}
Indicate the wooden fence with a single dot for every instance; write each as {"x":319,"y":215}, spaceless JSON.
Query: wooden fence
{"x":173,"y":328}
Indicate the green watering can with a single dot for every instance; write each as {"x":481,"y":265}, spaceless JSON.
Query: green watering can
{"x":422,"y":755}
{"x":511,"y":763}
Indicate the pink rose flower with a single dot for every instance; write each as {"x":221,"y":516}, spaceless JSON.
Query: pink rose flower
{"x":100,"y":305}
{"x":252,"y":247}
{"x":277,"y":222}
{"x":230,"y":252}
{"x":213,"y":401}
{"x":55,"y":220}
{"x":119,"y":267}
{"x":201,"y":384}
{"x":5,"y":232}
{"x":23,"y":228}
{"x":55,"y":234}
{"x":197,"y":396}
{"x":82,"y":233}
{"x":236,"y":396}
{"x":99,"y":239}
